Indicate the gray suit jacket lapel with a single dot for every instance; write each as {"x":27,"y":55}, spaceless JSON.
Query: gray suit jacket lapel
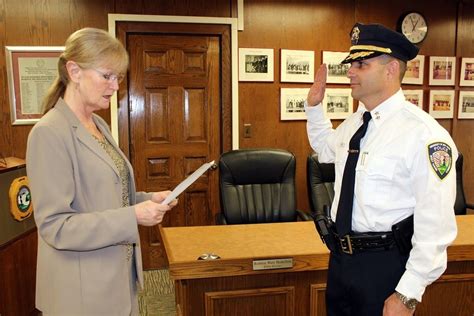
{"x":84,"y":136}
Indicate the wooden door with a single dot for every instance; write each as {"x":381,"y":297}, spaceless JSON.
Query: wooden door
{"x":175,"y":124}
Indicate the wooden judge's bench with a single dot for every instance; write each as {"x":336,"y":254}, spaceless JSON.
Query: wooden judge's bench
{"x":281,"y":269}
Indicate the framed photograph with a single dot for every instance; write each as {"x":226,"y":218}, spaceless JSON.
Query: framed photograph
{"x":30,"y":72}
{"x":466,"y":105}
{"x":442,"y":70}
{"x":467,"y":72}
{"x":441,"y":103}
{"x":414,"y":96}
{"x":337,"y":72}
{"x":415,"y":70}
{"x":338,"y":103}
{"x":297,"y":65}
{"x":292,"y":103}
{"x":256,"y":64}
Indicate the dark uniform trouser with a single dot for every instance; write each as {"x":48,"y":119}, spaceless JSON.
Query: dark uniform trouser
{"x":359,"y":284}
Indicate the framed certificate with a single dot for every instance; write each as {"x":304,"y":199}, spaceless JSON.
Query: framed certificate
{"x":31,"y":70}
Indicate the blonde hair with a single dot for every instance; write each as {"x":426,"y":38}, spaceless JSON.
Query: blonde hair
{"x":88,"y":48}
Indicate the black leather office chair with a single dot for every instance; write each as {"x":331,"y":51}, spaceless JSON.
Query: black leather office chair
{"x":460,"y":205}
{"x":320,"y":177}
{"x":258,"y":186}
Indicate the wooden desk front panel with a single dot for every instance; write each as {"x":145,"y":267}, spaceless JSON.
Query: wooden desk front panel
{"x":285,"y":294}
{"x":303,"y":293}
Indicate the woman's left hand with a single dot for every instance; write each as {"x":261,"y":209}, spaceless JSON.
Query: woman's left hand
{"x":158,"y":197}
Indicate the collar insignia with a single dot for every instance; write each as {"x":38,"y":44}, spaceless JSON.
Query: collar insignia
{"x":441,"y":158}
{"x":355,"y":35}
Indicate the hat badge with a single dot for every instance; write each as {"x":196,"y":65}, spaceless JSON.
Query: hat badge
{"x":355,"y":35}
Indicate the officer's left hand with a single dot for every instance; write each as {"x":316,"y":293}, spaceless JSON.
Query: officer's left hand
{"x":394,"y":307}
{"x":158,"y":197}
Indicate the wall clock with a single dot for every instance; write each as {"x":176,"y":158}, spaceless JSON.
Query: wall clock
{"x":413,"y":25}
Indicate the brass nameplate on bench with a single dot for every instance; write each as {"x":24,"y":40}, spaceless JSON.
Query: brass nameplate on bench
{"x":270,"y":264}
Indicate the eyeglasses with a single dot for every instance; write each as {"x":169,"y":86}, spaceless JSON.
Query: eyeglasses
{"x":110,"y":77}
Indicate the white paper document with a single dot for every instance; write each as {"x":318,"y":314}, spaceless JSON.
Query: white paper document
{"x":187,"y":182}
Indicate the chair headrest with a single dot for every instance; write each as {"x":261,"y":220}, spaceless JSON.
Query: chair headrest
{"x":261,"y":165}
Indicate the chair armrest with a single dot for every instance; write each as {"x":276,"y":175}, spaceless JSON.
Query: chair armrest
{"x":220,"y":219}
{"x":470,"y":206}
{"x":304,"y":216}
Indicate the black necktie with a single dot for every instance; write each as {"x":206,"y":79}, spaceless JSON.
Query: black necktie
{"x":346,"y":198}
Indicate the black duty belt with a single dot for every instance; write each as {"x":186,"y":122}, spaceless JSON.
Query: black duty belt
{"x":356,"y":243}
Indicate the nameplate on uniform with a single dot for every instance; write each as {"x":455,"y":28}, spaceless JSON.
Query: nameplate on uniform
{"x":270,"y":264}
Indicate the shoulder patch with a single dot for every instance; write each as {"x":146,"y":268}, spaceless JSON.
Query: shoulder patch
{"x":441,"y":158}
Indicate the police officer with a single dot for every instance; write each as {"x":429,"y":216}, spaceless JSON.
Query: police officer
{"x":394,"y":165}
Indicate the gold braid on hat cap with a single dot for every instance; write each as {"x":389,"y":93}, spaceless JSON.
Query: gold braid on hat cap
{"x":371,"y":48}
{"x":359,"y":55}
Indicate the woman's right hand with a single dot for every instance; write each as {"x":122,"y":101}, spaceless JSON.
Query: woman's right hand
{"x":149,"y":213}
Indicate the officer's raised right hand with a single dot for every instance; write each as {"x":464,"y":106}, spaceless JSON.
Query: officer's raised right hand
{"x":316,"y":92}
{"x":149,"y":213}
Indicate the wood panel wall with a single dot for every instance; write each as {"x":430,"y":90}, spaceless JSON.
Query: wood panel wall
{"x":303,"y":24}
{"x":325,"y":25}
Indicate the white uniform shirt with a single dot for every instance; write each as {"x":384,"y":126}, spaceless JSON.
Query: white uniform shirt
{"x":395,"y":179}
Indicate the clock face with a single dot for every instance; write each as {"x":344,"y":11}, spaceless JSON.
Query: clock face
{"x":414,"y":27}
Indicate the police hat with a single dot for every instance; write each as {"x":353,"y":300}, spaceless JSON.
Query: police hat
{"x":371,"y":40}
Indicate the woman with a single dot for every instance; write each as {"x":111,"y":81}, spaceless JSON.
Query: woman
{"x":83,"y":189}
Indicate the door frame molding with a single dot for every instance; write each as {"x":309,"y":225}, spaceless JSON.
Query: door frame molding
{"x":233,"y":22}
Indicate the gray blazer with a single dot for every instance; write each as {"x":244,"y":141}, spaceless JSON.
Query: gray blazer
{"x":82,"y":264}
